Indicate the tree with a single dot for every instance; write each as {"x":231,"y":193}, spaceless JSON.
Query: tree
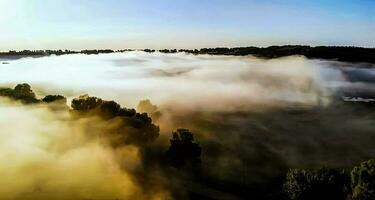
{"x":323,"y":184}
{"x":21,"y":92}
{"x":183,"y":148}
{"x":24,"y":89}
{"x":54,"y":98}
{"x":55,"y":101}
{"x":86,"y":103}
{"x":363,"y":181}
{"x":130,"y":126}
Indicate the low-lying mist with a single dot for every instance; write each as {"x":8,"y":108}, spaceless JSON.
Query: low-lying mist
{"x":194,"y":82}
{"x":47,"y":154}
{"x":253,"y":118}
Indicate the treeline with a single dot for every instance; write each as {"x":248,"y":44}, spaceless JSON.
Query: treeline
{"x":340,"y":53}
{"x":129,"y":127}
{"x":348,"y":54}
{"x":54,"y":52}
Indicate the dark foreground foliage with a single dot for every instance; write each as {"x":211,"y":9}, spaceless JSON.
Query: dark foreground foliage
{"x":363,"y":181}
{"x":324,"y":183}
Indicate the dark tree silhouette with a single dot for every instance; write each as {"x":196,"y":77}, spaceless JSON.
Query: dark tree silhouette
{"x":86,"y":103}
{"x":21,"y":92}
{"x":149,"y":50}
{"x":24,"y":89}
{"x":54,"y":98}
{"x":56,"y":101}
{"x":183,"y":148}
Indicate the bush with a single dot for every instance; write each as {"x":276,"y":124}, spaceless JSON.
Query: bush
{"x":363,"y":181}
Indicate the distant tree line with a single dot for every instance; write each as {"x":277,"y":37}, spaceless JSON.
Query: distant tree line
{"x":349,"y":54}
{"x":340,"y":53}
{"x":54,"y":52}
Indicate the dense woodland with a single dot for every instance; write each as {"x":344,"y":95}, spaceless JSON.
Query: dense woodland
{"x":349,"y":54}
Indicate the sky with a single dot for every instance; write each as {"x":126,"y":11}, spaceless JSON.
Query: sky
{"x":121,"y":24}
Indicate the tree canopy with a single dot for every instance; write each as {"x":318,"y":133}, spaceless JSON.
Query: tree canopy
{"x":21,"y":92}
{"x":126,"y":125}
{"x":183,"y":148}
{"x":133,"y":127}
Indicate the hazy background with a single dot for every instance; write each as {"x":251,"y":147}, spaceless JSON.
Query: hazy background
{"x":195,"y":82}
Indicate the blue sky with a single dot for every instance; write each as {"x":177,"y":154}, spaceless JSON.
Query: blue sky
{"x":117,"y":24}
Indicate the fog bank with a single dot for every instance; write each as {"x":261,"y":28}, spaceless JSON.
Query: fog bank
{"x":191,"y":81}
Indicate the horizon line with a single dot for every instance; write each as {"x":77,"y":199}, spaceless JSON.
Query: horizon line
{"x":198,"y":48}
